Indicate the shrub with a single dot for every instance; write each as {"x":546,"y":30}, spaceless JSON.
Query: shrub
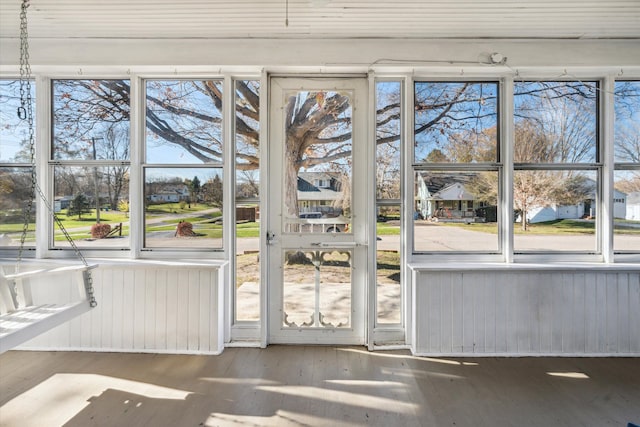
{"x":100,"y":231}
{"x":185,"y":229}
{"x":123,"y":206}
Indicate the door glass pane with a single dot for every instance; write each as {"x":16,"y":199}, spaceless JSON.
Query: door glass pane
{"x":318,"y":161}
{"x":317,"y":289}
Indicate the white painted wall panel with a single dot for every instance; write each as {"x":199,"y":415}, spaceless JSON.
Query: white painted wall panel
{"x":177,"y":309}
{"x":506,"y":312}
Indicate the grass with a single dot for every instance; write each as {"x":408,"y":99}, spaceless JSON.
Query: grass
{"x":387,"y":229}
{"x":174,"y":208}
{"x":248,"y":229}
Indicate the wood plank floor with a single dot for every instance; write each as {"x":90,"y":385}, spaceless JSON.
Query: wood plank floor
{"x":314,"y":386}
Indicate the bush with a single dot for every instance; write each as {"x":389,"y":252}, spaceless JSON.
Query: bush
{"x":100,"y":231}
{"x":185,"y":229}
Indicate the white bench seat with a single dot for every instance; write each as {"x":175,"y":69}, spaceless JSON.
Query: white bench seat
{"x":21,"y":318}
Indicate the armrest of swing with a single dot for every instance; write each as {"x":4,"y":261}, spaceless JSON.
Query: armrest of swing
{"x":44,"y":271}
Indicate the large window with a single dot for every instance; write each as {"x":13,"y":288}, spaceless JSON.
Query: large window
{"x":556,"y":166}
{"x":15,"y":166}
{"x":90,"y":161}
{"x":183,"y":179}
{"x":550,"y":159}
{"x":456,"y":167}
{"x":626,"y":194}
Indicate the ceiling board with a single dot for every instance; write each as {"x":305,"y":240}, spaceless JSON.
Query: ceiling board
{"x":211,"y":19}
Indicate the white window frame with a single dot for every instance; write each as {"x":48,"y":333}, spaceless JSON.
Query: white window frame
{"x":504,"y":216}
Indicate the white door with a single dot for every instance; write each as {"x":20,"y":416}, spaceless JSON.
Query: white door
{"x":318,"y":204}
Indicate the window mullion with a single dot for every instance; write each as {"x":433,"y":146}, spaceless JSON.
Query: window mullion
{"x":506,"y":141}
{"x":43,"y":134}
{"x":606,"y":206}
{"x":136,"y":184}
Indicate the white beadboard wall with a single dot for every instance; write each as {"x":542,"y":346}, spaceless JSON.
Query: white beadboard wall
{"x":157,"y":308}
{"x":530,"y":312}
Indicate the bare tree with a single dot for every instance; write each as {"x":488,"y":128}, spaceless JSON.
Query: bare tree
{"x":116,"y":178}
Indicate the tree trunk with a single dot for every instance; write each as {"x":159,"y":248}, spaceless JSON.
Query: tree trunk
{"x":291,"y":169}
{"x":524,"y":217}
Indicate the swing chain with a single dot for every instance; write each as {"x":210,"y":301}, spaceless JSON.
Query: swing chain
{"x":25,"y":111}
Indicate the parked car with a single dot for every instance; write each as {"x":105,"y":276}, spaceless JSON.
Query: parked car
{"x":316,"y":222}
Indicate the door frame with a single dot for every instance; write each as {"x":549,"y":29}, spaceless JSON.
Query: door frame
{"x":363,"y":237}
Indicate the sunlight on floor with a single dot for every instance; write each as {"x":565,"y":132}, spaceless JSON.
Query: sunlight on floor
{"x":578,"y":375}
{"x":280,"y":418}
{"x":62,"y":396}
{"x":343,"y":397}
{"x":408,"y":357}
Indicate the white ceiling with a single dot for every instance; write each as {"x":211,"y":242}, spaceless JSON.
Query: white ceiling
{"x":221,"y":19}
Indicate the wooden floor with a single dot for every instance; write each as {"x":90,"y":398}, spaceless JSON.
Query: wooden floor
{"x":314,"y":386}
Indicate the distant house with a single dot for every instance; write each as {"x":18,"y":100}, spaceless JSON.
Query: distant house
{"x":632,"y":210}
{"x":170,"y":194}
{"x":319,"y":192}
{"x":579,"y":210}
{"x":444,"y":197}
{"x":62,"y":202}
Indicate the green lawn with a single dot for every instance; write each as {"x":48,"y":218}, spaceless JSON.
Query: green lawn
{"x":174,"y":208}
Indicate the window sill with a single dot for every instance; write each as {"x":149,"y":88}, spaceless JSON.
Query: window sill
{"x":494,"y":266}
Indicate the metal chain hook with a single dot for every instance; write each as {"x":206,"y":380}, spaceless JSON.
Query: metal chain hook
{"x":25,"y":111}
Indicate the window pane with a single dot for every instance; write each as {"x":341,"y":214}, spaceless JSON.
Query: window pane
{"x":91,"y":119}
{"x":86,"y":196}
{"x":183,"y":208}
{"x":626,"y":211}
{"x":388,"y":247}
{"x":247,"y":297}
{"x":15,"y":192}
{"x":627,"y":124}
{"x":14,"y":131}
{"x":555,"y":122}
{"x":626,"y":197}
{"x":555,"y":210}
{"x":456,"y":211}
{"x":388,"y":98}
{"x":388,"y":134}
{"x":247,"y":262}
{"x":456,"y":122}
{"x":184,"y":121}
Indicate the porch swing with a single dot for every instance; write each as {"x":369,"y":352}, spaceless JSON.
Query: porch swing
{"x":22,"y":315}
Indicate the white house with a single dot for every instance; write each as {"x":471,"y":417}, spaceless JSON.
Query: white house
{"x":170,"y":194}
{"x":632,"y":211}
